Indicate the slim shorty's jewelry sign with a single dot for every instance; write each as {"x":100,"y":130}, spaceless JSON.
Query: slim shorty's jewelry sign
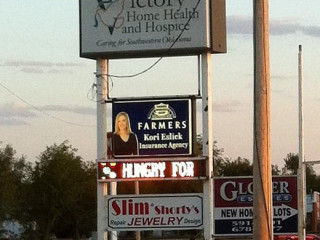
{"x":138,"y":28}
{"x":152,"y":128}
{"x":145,"y":212}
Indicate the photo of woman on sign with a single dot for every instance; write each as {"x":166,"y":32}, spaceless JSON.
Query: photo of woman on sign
{"x":124,"y":140}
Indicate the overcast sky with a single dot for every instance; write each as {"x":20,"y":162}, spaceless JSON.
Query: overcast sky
{"x":46,"y":92}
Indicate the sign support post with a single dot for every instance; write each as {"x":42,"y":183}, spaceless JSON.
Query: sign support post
{"x":137,"y":192}
{"x":102,"y":188}
{"x":207,"y":144}
{"x":302,"y":166}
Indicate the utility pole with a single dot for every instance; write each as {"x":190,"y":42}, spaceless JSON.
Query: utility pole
{"x":262,"y":177}
{"x":302,"y":166}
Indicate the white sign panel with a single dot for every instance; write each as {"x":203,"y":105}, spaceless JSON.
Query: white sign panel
{"x":146,"y":212}
{"x":282,"y":212}
{"x":143,"y":27}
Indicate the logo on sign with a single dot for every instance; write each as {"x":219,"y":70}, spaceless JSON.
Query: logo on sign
{"x":109,"y":13}
{"x":113,"y":14}
{"x":162,"y":112}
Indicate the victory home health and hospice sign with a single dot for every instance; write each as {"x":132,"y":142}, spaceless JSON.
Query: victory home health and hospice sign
{"x":120,"y":28}
{"x":162,"y":127}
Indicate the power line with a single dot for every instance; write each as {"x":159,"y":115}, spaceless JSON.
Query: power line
{"x":43,"y":112}
{"x":168,"y":50}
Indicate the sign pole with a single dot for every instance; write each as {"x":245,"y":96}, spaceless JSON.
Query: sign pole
{"x":102,"y":190}
{"x":207,"y":123}
{"x":262,"y":182}
{"x":137,"y":192}
{"x":302,"y":166}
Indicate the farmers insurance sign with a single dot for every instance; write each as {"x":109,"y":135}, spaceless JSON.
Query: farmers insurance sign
{"x":162,"y":127}
{"x":233,"y":211}
{"x":137,"y":28}
{"x":145,"y":212}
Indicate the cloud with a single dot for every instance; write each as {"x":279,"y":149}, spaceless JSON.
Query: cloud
{"x":313,"y":31}
{"x":13,"y":114}
{"x":12,"y":122}
{"x":32,"y":70}
{"x":239,"y":25}
{"x":18,"y":63}
{"x":226,"y":106}
{"x":73,"y":109}
{"x":243,"y":25}
{"x":11,"y":110}
{"x":284,"y":27}
{"x":21,"y":63}
{"x":17,"y":114}
{"x":59,"y":71}
{"x":280,"y":78}
{"x":40,"y":67}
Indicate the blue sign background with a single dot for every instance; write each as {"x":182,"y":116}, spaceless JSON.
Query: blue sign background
{"x":173,"y":137}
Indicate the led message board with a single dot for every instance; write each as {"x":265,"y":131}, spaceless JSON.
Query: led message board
{"x":233,"y":210}
{"x":152,"y":169}
{"x":140,"y":28}
{"x":152,"y":212}
{"x":152,"y":128}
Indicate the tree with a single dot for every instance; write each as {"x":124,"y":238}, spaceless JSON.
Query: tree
{"x":291,"y":164}
{"x":291,"y":167}
{"x":12,"y":174}
{"x":237,"y":167}
{"x":275,"y":170}
{"x":62,"y":193}
{"x":198,"y":151}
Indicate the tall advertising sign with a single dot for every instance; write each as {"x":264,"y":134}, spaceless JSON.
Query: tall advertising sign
{"x":140,"y":28}
{"x":157,"y":128}
{"x":233,"y":210}
{"x":152,"y":139}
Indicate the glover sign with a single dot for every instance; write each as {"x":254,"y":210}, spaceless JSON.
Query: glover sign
{"x":233,"y":211}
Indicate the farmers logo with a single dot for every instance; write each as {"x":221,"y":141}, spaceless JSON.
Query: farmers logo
{"x":161,"y":111}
